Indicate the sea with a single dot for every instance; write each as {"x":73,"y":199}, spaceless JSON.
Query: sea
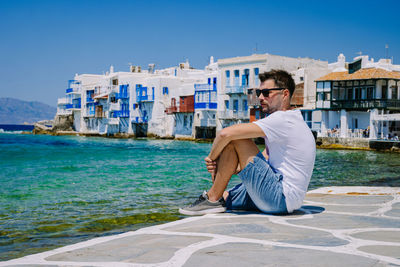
{"x":15,"y":128}
{"x":60,"y":190}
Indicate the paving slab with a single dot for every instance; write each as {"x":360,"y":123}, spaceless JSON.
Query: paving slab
{"x":336,"y":226}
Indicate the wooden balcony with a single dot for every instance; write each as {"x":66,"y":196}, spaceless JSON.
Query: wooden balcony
{"x":364,"y":104}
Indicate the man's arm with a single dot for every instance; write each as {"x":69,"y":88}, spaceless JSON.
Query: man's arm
{"x":234,"y":132}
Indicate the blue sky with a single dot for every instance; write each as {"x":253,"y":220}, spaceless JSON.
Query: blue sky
{"x":44,"y":43}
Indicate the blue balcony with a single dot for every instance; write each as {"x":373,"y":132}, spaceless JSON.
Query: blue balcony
{"x":236,"y":89}
{"x":69,"y":90}
{"x":69,"y":106}
{"x":205,"y":105}
{"x":121,"y":114}
{"x":142,"y":94}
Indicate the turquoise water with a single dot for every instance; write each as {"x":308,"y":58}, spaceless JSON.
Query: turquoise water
{"x":59,"y":190}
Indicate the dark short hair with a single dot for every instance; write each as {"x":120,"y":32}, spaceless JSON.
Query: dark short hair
{"x":281,"y":78}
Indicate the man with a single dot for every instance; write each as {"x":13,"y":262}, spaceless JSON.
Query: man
{"x":274,"y":181}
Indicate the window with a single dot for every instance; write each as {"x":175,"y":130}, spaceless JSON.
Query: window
{"x":228,"y":80}
{"x":190,"y":120}
{"x":370,"y":92}
{"x":363,"y":93}
{"x":349,"y":93}
{"x":342,"y":93}
{"x":165,"y":90}
{"x":384,"y":91}
{"x":235,"y":105}
{"x":236,"y":77}
{"x":335,"y":94}
{"x":184,"y":120}
{"x":215,"y":80}
{"x":301,"y":78}
{"x":245,"y":77}
{"x":256,"y":79}
{"x":244,"y":105}
{"x":394,"y":92}
{"x":115,"y":82}
{"x":320,"y":85}
{"x":226,"y":104}
{"x":357,"y":93}
{"x":209,"y":81}
{"x":327,"y":85}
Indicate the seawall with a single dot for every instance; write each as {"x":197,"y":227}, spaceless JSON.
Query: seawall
{"x":357,"y":143}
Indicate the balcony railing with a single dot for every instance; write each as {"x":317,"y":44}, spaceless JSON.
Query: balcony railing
{"x":62,"y":101}
{"x":205,"y":87}
{"x":323,"y":104}
{"x":72,"y":90}
{"x":205,"y":105}
{"x":236,"y":89}
{"x":365,"y":104}
{"x":231,"y":114}
{"x":121,"y":114}
{"x":208,"y":122}
{"x":171,"y":109}
{"x":64,"y":112}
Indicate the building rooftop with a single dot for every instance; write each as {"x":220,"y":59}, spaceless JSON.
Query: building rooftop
{"x":362,"y":74}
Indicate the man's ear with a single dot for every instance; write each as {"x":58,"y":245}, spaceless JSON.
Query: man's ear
{"x":286,"y":92}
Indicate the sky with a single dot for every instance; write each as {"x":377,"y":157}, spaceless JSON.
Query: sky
{"x":44,"y":43}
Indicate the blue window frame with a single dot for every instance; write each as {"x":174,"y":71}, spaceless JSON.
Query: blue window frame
{"x":165,"y":90}
{"x":244,"y":105}
{"x":235,"y":105}
{"x":227,"y":73}
{"x":226,"y":104}
{"x":209,"y":81}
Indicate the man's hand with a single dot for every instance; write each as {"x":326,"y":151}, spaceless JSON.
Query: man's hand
{"x":211,"y":167}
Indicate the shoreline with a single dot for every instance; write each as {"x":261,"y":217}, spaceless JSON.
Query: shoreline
{"x":331,"y":143}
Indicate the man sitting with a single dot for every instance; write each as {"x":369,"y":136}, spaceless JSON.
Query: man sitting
{"x":274,"y":181}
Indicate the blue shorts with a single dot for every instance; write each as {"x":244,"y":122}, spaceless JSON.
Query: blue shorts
{"x":261,"y":189}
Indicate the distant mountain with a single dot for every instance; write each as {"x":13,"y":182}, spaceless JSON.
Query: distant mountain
{"x":15,"y":111}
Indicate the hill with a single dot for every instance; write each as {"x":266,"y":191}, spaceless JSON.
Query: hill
{"x":15,"y":111}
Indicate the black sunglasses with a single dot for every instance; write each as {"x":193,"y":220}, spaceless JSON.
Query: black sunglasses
{"x":265,"y":92}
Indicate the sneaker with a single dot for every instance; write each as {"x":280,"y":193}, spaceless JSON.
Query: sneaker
{"x":203,"y":206}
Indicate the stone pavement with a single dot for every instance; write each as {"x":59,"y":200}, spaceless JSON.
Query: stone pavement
{"x":337,"y":226}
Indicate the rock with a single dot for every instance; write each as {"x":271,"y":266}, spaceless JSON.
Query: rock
{"x":63,"y":123}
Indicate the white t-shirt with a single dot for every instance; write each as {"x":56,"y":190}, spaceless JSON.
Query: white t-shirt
{"x":291,"y":149}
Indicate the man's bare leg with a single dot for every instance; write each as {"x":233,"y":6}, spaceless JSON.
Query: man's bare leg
{"x":238,"y":151}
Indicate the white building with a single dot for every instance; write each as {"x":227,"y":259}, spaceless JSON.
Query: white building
{"x":359,"y":99}
{"x":237,"y":102}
